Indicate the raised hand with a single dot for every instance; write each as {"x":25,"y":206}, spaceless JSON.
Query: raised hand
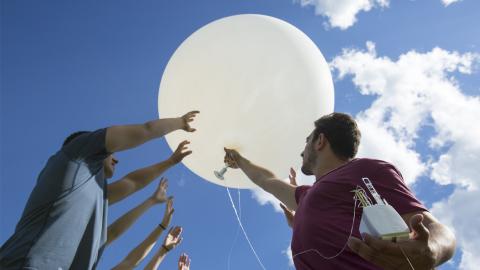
{"x":173,"y":238}
{"x":187,"y":119}
{"x":390,"y":255}
{"x":231,"y":158}
{"x":293,"y":177}
{"x":181,"y":152}
{"x":184,"y":262}
{"x":167,"y":217}
{"x":160,"y":194}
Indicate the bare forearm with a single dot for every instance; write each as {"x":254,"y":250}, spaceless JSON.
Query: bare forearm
{"x":160,"y":127}
{"x":145,"y":176}
{"x":136,"y":181}
{"x":265,"y":179}
{"x":129,"y":136}
{"x":156,"y":260}
{"x":125,"y":221}
{"x":141,"y":251}
{"x":443,"y":241}
{"x":257,"y":174}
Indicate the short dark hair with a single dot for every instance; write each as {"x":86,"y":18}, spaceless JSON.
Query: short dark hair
{"x":342,"y":133}
{"x":73,"y":136}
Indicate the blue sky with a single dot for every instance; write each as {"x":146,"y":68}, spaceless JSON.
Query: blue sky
{"x":83,"y":65}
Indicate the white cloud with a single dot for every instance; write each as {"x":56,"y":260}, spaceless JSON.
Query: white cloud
{"x":459,"y":213}
{"x":448,"y":2}
{"x":288,"y":252}
{"x":419,"y":90}
{"x":342,"y":13}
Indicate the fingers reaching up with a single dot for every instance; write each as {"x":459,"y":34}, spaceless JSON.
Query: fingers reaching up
{"x":160,"y":194}
{"x":173,"y":238}
{"x":187,"y":119}
{"x":184,"y":262}
{"x":293,"y":177}
{"x":181,"y":152}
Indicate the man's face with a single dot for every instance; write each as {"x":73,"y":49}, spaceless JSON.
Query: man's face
{"x":309,"y":156}
{"x":109,"y":166}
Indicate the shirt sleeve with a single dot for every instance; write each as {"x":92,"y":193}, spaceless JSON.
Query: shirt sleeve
{"x":89,"y":146}
{"x":300,"y":192}
{"x":391,"y":186}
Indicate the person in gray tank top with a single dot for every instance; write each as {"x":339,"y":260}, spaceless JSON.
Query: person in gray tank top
{"x":64,"y":223}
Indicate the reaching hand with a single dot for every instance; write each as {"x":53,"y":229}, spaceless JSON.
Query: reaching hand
{"x":173,"y":238}
{"x":184,"y":262}
{"x":167,"y":217}
{"x":293,"y":177}
{"x":231,"y":158}
{"x":160,"y":194}
{"x":187,"y":119}
{"x":390,"y":255}
{"x":180,"y":153}
{"x":289,"y":215}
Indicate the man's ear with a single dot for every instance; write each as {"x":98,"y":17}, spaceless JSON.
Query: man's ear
{"x":321,"y":142}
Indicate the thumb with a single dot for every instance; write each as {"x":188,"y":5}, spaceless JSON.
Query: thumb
{"x":421,"y":232}
{"x":285,"y":209}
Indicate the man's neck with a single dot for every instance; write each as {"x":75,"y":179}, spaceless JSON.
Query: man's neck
{"x":329,"y":165}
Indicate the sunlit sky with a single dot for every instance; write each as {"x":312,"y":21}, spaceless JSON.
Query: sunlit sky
{"x":407,"y":71}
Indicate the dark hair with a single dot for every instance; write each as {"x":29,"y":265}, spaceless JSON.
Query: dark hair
{"x":73,"y":136}
{"x":342,"y":133}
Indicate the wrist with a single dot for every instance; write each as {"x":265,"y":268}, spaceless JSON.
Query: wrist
{"x":153,"y":201}
{"x":171,"y":161}
{"x":179,"y":123}
{"x":164,"y":249}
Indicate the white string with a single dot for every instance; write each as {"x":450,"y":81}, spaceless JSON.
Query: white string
{"x":238,"y":230}
{"x":244,"y":233}
{"x":406,"y":257}
{"x":344,"y":246}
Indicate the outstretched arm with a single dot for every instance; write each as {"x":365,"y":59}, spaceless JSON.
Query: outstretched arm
{"x":263,"y":178}
{"x":141,"y":251}
{"x":172,"y":240}
{"x":124,"y":137}
{"x":122,"y":224}
{"x":139,"y":179}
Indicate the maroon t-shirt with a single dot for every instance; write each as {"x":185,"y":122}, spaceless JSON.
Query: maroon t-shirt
{"x":325,"y":210}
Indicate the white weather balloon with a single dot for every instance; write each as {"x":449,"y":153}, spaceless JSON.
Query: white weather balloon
{"x":259,"y":84}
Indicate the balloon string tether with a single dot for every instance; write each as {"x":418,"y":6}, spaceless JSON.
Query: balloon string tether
{"x":219,"y":174}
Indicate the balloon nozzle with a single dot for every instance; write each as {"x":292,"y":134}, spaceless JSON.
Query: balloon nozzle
{"x":219,"y":174}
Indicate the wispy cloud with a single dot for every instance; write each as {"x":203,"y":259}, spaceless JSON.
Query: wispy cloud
{"x":342,"y":13}
{"x":449,"y":2}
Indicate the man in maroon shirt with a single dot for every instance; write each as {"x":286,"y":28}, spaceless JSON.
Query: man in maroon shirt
{"x":324,"y":211}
